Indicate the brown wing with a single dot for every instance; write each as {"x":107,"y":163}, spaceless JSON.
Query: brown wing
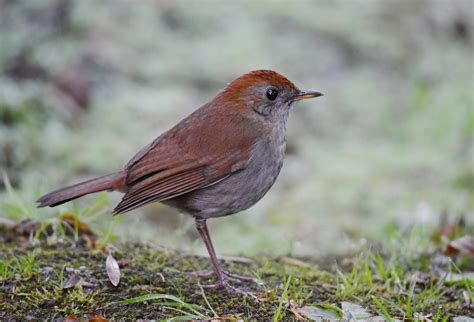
{"x":190,"y":156}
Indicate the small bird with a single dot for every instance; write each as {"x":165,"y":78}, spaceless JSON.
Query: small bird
{"x":218,"y":161}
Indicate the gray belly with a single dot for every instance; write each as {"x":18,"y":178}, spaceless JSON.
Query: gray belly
{"x":238,"y":192}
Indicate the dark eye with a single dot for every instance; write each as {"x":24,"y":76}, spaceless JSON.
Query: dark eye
{"x":272,"y":94}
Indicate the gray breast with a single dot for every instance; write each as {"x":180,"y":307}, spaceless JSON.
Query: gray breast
{"x":242,"y":189}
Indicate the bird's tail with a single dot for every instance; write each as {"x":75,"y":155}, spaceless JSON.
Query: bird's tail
{"x":114,"y":181}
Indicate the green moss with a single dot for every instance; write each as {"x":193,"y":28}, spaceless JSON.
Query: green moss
{"x":34,"y":283}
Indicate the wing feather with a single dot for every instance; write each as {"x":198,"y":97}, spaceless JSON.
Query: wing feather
{"x":161,"y":190}
{"x":190,"y":156}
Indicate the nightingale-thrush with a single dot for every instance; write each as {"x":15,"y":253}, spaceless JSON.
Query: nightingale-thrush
{"x":218,"y":161}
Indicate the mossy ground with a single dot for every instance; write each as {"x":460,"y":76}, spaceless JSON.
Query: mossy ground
{"x":52,"y":275}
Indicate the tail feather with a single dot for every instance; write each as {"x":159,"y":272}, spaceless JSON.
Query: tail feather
{"x":114,"y":181}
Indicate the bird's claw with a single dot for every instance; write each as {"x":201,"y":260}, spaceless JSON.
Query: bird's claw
{"x":223,"y":280}
{"x":225,"y":275}
{"x":224,"y":284}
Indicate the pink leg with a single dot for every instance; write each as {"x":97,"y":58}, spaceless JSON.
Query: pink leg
{"x":222,"y":276}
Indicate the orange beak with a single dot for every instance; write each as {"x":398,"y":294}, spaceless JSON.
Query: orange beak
{"x":305,"y":94}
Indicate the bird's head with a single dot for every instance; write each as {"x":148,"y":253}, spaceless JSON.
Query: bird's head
{"x":264,"y":92}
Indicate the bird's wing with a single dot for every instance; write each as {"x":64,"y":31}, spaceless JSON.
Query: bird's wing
{"x":184,"y":159}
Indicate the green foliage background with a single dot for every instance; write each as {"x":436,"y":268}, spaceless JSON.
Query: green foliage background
{"x":85,"y":84}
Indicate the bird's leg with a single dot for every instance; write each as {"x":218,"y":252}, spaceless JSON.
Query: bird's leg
{"x":202,"y":229}
{"x":222,"y":276}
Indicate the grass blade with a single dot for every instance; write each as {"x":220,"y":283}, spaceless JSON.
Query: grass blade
{"x":151,"y":297}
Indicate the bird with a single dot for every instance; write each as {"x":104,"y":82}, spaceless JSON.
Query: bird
{"x":218,"y":161}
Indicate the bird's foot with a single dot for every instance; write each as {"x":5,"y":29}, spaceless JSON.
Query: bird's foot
{"x":224,"y":284}
{"x":226,"y":276}
{"x":223,"y":280}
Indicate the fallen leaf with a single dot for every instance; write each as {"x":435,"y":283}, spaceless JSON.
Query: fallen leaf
{"x":466,"y":300}
{"x":87,"y":316}
{"x":354,"y":311}
{"x":73,"y":221}
{"x":72,"y":282}
{"x":26,"y":227}
{"x":463,"y":319}
{"x":447,"y":229}
{"x":317,"y":313}
{"x":459,"y":279}
{"x":85,"y":284}
{"x":113,"y":270}
{"x":463,"y":245}
{"x":293,"y":261}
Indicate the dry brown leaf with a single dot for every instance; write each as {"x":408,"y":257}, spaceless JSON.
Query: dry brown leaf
{"x":446,"y":231}
{"x":82,"y":228}
{"x":293,"y":261}
{"x":463,"y":245}
{"x":87,"y":316}
{"x":113,"y":270}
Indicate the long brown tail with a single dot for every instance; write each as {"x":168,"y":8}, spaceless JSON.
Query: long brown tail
{"x":114,"y":181}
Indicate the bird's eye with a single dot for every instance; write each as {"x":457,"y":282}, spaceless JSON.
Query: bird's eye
{"x":272,"y":94}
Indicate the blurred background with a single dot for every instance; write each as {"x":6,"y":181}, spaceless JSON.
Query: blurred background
{"x":85,"y":84}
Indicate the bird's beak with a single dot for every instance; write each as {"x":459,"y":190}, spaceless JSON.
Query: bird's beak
{"x":305,"y":94}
